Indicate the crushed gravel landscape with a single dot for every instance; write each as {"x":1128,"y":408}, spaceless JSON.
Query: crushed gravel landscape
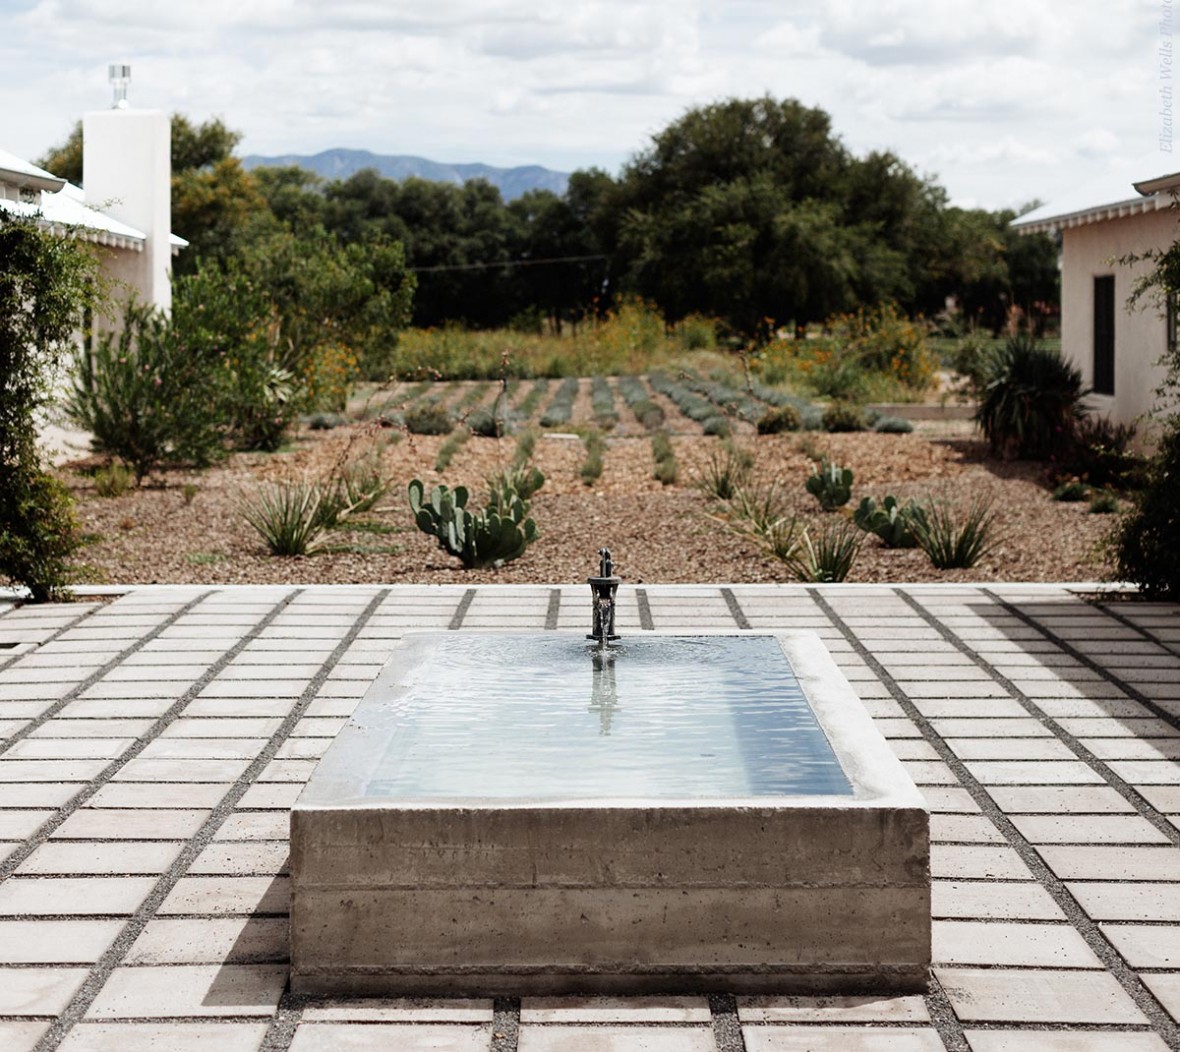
{"x":188,"y":527}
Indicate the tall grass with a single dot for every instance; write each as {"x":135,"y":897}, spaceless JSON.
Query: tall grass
{"x":630,"y":339}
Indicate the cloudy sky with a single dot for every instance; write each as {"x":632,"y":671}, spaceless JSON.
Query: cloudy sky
{"x":1001,"y":100}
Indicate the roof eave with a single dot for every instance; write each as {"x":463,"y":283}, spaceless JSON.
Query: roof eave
{"x":30,"y":181}
{"x":1102,"y":213}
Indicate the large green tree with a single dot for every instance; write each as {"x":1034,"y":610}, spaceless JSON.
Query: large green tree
{"x":752,"y":209}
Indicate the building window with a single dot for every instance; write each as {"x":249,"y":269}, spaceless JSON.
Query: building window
{"x":1104,"y":334}
{"x":1171,"y":316}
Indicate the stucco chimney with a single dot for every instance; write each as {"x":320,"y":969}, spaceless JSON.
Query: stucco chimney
{"x":127,"y":173}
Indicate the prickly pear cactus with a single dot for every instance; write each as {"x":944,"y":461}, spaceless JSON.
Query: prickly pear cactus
{"x":492,"y":537}
{"x":891,"y":521}
{"x":831,"y":485}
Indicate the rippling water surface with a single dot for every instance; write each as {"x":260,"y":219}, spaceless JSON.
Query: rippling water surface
{"x":551,"y":718}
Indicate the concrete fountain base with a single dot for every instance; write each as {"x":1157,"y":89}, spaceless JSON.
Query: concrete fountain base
{"x":666,"y":890}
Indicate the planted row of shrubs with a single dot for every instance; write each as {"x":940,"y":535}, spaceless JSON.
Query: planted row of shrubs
{"x":648,"y":413}
{"x":560,"y":410}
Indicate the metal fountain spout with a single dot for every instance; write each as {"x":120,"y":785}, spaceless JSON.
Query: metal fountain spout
{"x":604,"y":587}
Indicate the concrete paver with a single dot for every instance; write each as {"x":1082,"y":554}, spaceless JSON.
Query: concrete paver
{"x":1062,"y":1041}
{"x":615,"y":1039}
{"x":1021,"y":945}
{"x":155,"y":1037}
{"x":840,"y":1039}
{"x":207,"y":968}
{"x":866,"y":1009}
{"x":1010,"y":996}
{"x":1167,"y":989}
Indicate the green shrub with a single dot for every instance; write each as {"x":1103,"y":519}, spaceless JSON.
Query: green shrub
{"x":886,"y":342}
{"x":147,"y":397}
{"x":1032,"y":402}
{"x":717,"y":425}
{"x":326,"y":421}
{"x":479,"y":539}
{"x":782,"y":538}
{"x":843,"y":416}
{"x":526,"y":444}
{"x":1145,"y":545}
{"x":595,"y":448}
{"x":952,"y":544}
{"x":892,"y":425}
{"x":487,"y":423}
{"x":447,"y":451}
{"x":514,"y":483}
{"x":778,"y":419}
{"x":1100,"y":453}
{"x":602,"y":403}
{"x":38,"y":531}
{"x":831,"y":485}
{"x":524,"y":409}
{"x":429,"y":418}
{"x":561,"y":409}
{"x":359,"y":482}
{"x":726,"y":472}
{"x":113,"y":481}
{"x":288,"y":516}
{"x":1071,"y":492}
{"x":757,"y":506}
{"x":696,"y":332}
{"x":1104,"y":504}
{"x":666,"y":469}
{"x":891,"y":521}
{"x":974,"y":360}
{"x":649,"y":414}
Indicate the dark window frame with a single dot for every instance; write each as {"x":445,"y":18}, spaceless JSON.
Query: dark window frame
{"x":1104,"y":334}
{"x":1170,"y":301}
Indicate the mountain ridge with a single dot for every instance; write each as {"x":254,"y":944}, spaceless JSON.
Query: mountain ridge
{"x":340,"y":163}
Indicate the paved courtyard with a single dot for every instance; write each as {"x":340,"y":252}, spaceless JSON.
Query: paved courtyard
{"x":151,"y":746}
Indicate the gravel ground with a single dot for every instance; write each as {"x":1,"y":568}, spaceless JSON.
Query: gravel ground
{"x":657,"y":534}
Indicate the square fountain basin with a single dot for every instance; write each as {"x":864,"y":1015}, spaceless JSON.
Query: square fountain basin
{"x":510,"y":814}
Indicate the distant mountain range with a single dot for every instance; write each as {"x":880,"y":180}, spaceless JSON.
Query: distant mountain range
{"x":340,"y":164}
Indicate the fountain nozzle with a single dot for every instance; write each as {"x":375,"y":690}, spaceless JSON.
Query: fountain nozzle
{"x":603,"y":587}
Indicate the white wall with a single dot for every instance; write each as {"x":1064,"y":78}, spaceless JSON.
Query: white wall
{"x":1140,"y":333}
{"x":127,"y":173}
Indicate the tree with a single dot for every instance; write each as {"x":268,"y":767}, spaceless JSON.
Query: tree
{"x":46,"y":282}
{"x":752,"y":210}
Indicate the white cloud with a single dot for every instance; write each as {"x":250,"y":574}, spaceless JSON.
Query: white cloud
{"x":1004,"y":151}
{"x":1096,"y":142}
{"x":983,"y":93}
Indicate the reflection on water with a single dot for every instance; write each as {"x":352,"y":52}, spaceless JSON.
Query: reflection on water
{"x":604,"y":693}
{"x":552,"y":718}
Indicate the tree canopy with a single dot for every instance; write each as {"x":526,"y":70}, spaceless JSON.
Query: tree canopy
{"x":751,"y":210}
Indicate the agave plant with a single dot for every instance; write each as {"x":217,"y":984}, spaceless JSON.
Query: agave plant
{"x":288,"y":516}
{"x":1032,"y":401}
{"x":952,"y":543}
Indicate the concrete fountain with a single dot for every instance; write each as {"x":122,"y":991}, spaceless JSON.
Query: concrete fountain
{"x":530,"y":814}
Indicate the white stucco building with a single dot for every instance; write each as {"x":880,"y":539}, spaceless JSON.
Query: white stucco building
{"x":125,"y":208}
{"x":1116,"y":347}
